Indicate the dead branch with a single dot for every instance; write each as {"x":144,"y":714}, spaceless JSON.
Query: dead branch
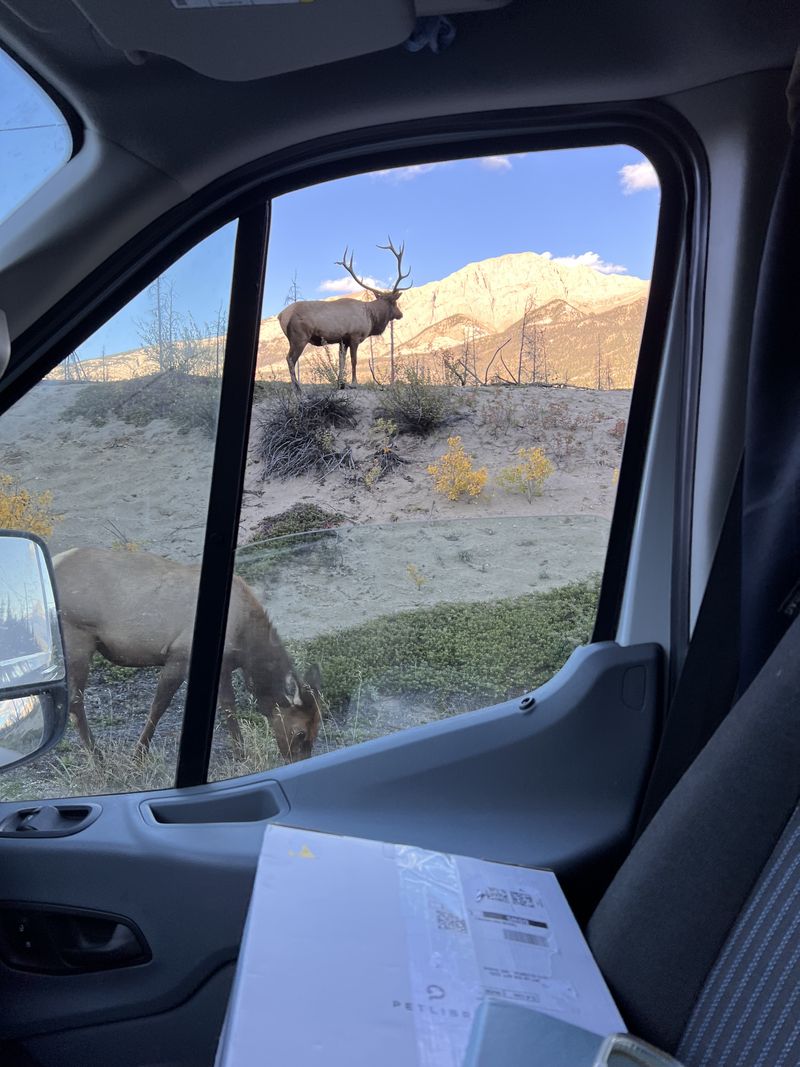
{"x":491,"y":361}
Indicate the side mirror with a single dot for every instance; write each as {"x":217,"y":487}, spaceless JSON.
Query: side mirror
{"x":33,"y":677}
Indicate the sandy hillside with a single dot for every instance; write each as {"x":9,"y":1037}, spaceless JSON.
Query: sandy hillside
{"x":407,"y":546}
{"x":147,"y":485}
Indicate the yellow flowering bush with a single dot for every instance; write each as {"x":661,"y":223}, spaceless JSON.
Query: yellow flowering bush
{"x":528,"y":475}
{"x":23,"y":510}
{"x":454,"y":476}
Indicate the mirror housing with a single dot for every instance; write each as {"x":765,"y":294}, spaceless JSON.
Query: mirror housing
{"x":33,"y":676}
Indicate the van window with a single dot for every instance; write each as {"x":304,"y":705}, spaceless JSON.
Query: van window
{"x":430,"y":541}
{"x":35,"y":140}
{"x":416,"y":544}
{"x":109,"y":459}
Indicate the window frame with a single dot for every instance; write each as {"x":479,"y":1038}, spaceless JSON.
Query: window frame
{"x":653,"y":129}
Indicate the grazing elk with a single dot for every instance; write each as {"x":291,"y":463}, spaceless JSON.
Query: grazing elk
{"x":138,"y":610}
{"x":345,"y":321}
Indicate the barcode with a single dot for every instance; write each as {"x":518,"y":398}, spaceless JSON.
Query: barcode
{"x":446,"y":920}
{"x":492,"y":893}
{"x":521,"y":935}
{"x":523,"y":899}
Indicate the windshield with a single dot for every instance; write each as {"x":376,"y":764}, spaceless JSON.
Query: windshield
{"x":35,"y":140}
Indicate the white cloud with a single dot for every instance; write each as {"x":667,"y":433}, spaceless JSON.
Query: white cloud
{"x":634,"y":177}
{"x":407,"y":174}
{"x":495,"y":163}
{"x":587,"y":259}
{"x":347,"y":284}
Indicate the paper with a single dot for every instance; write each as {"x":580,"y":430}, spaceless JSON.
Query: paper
{"x":359,"y":952}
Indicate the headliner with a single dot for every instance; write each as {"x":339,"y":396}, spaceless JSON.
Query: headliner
{"x":532,"y":53}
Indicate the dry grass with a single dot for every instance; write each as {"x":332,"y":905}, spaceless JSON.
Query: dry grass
{"x":188,"y":401}
{"x":296,"y":436}
{"x":115,"y":767}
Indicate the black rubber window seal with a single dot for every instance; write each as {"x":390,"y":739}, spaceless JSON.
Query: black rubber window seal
{"x":227,"y":481}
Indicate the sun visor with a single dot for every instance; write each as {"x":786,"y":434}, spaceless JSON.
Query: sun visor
{"x":242,"y":40}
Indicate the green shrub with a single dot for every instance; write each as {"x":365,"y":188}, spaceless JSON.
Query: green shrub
{"x":187,"y":401}
{"x":299,"y":518}
{"x":462,"y":654}
{"x":416,"y":405}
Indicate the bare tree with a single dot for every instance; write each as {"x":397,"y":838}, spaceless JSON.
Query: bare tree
{"x":219,"y":331}
{"x":371,"y":364}
{"x":73,"y":368}
{"x":497,"y":352}
{"x":523,"y":341}
{"x":159,"y":332}
{"x":459,"y":368}
{"x":455,"y":369}
{"x":543,"y":348}
{"x":294,"y":292}
{"x":536,"y":354}
{"x":193,"y":349}
{"x":531,"y":361}
{"x":464,"y":368}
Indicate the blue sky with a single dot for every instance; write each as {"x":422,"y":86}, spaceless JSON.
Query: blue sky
{"x":599,"y":205}
{"x":568,"y":203}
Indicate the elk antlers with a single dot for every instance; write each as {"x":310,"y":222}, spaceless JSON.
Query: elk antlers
{"x":398,"y":255}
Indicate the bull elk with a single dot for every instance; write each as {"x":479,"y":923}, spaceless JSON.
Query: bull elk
{"x":344,"y":321}
{"x":138,"y":610}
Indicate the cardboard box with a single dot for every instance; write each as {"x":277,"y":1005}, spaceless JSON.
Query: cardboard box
{"x":369,"y":954}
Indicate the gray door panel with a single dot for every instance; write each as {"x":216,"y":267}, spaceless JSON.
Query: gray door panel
{"x":549,"y":787}
{"x":183,"y":1037}
{"x":557,"y":786}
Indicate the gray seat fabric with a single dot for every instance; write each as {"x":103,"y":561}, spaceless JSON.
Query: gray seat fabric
{"x":748,"y":1013}
{"x":661,"y":931}
{"x":699,"y":933}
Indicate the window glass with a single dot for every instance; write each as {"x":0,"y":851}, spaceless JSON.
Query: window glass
{"x":109,"y":459}
{"x":34,"y":137}
{"x":431,"y":541}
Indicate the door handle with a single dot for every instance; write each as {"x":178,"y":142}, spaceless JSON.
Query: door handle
{"x":88,"y":943}
{"x":49,"y":820}
{"x":48,"y":939}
